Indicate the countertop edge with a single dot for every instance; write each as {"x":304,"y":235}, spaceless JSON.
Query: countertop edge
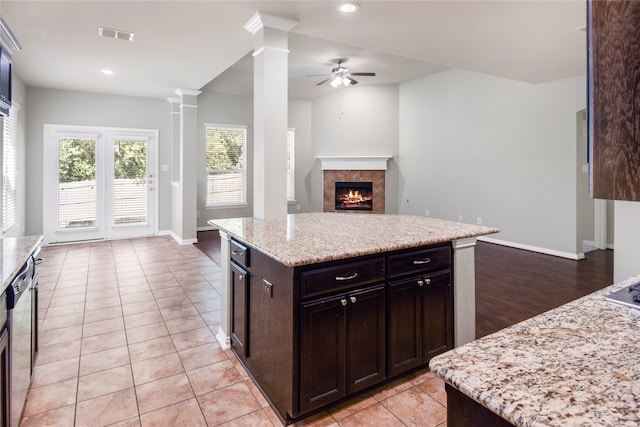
{"x":13,"y":258}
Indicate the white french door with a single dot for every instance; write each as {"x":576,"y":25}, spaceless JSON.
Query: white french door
{"x":99,"y":183}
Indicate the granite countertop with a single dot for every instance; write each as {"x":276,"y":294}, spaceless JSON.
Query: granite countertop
{"x":310,"y":238}
{"x":576,"y":365}
{"x":14,"y":253}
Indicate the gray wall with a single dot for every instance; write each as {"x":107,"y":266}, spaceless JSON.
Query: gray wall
{"x":48,"y":106}
{"x":357,"y":121}
{"x":486,"y":147}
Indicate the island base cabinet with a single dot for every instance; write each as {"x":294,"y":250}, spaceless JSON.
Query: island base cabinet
{"x":462,"y":411}
{"x":342,"y":346}
{"x":240,"y":310}
{"x":420,"y":320}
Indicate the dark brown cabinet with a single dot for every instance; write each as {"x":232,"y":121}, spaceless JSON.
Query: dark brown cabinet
{"x":420,"y":320}
{"x":5,"y":82}
{"x":240,"y":309}
{"x":342,"y":346}
{"x":613,"y":48}
{"x":312,"y":335}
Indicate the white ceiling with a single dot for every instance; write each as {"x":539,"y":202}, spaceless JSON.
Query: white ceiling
{"x":203,"y":45}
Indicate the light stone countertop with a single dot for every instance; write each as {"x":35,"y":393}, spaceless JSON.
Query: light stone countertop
{"x":576,"y":365}
{"x":14,"y":252}
{"x":310,"y":238}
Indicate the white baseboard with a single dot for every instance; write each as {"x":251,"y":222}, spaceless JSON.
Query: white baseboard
{"x":176,"y":238}
{"x":531,"y":248}
{"x":223,"y":339}
{"x":207,"y":228}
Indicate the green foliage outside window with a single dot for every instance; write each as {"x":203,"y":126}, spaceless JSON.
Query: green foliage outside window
{"x":76,"y":159}
{"x":225,"y":149}
{"x":130,"y":159}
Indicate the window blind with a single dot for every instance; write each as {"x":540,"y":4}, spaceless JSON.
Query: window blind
{"x":9,"y":170}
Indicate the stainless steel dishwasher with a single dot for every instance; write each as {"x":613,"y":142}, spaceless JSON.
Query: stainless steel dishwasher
{"x":20,"y":323}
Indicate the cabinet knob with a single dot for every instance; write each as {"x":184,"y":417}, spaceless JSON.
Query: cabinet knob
{"x":241,"y":277}
{"x":427,"y":281}
{"x":353,"y":300}
{"x":420,"y":282}
{"x":343,"y":301}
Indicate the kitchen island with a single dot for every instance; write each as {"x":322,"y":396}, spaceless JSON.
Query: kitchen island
{"x":576,"y":365}
{"x":321,"y":306}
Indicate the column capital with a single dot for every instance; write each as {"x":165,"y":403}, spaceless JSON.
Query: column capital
{"x":188,"y":92}
{"x":261,"y":20}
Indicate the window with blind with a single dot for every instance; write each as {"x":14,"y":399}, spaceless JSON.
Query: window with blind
{"x":226,"y":165}
{"x":9,"y":170}
{"x":291,"y":176}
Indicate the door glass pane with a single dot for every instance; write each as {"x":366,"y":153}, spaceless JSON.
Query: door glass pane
{"x":76,"y":183}
{"x":130,"y":193}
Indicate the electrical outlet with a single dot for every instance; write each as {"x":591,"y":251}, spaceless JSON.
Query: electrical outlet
{"x":460,"y":218}
{"x":479,"y":221}
{"x":267,"y":288}
{"x":298,"y":207}
{"x":426,"y":212}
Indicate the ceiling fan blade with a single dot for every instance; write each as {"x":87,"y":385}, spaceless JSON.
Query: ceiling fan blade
{"x":353,"y":81}
{"x":363,"y":74}
{"x":323,"y":82}
{"x":317,"y":75}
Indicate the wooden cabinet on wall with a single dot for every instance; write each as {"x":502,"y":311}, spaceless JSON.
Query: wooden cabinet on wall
{"x":5,"y":82}
{"x":613,"y":34}
{"x":313,"y":335}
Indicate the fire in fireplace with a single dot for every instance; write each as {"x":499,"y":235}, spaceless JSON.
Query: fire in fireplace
{"x":354,"y":196}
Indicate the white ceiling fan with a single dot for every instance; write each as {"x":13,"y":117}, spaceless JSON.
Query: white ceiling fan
{"x":340,"y":75}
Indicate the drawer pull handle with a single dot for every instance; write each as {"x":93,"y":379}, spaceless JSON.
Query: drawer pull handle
{"x":427,"y":281}
{"x":349,"y":277}
{"x":241,"y":277}
{"x":343,"y":301}
{"x":420,"y":282}
{"x":421,"y":261}
{"x":353,"y":300}
{"x":237,"y":252}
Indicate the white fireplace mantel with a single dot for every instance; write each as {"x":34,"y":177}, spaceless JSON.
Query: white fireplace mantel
{"x":353,"y":162}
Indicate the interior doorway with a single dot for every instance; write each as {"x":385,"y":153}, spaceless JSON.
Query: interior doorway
{"x":98,"y":183}
{"x":594,"y":216}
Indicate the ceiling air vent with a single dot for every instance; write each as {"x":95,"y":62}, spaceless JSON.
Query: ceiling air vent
{"x":115,"y":34}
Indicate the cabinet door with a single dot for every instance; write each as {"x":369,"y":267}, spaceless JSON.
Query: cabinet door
{"x":365,"y":338}
{"x":405,"y":325}
{"x":5,"y":82}
{"x":613,"y":47}
{"x":437,"y":315}
{"x":322,"y":352}
{"x":240,"y":310}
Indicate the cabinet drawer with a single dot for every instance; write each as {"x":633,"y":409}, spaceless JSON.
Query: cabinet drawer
{"x":422,"y":260}
{"x":239,"y":254}
{"x":342,"y":276}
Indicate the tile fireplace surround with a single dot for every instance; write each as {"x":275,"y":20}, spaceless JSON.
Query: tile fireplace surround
{"x":354,"y":169}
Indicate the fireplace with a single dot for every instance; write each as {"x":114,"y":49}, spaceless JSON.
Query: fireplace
{"x":354,"y":196}
{"x":364,"y":176}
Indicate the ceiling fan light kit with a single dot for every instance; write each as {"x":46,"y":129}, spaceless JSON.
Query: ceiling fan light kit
{"x":341,"y":76}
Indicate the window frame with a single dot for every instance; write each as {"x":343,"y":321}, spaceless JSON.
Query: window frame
{"x":291,"y":165}
{"x":243,"y":202}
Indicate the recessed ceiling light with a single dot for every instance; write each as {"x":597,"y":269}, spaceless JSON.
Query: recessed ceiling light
{"x":107,"y":72}
{"x":348,"y":7}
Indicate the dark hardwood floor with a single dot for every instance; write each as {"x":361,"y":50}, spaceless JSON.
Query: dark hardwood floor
{"x":511,"y":284}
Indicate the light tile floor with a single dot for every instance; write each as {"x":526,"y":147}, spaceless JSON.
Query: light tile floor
{"x":127,"y":339}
